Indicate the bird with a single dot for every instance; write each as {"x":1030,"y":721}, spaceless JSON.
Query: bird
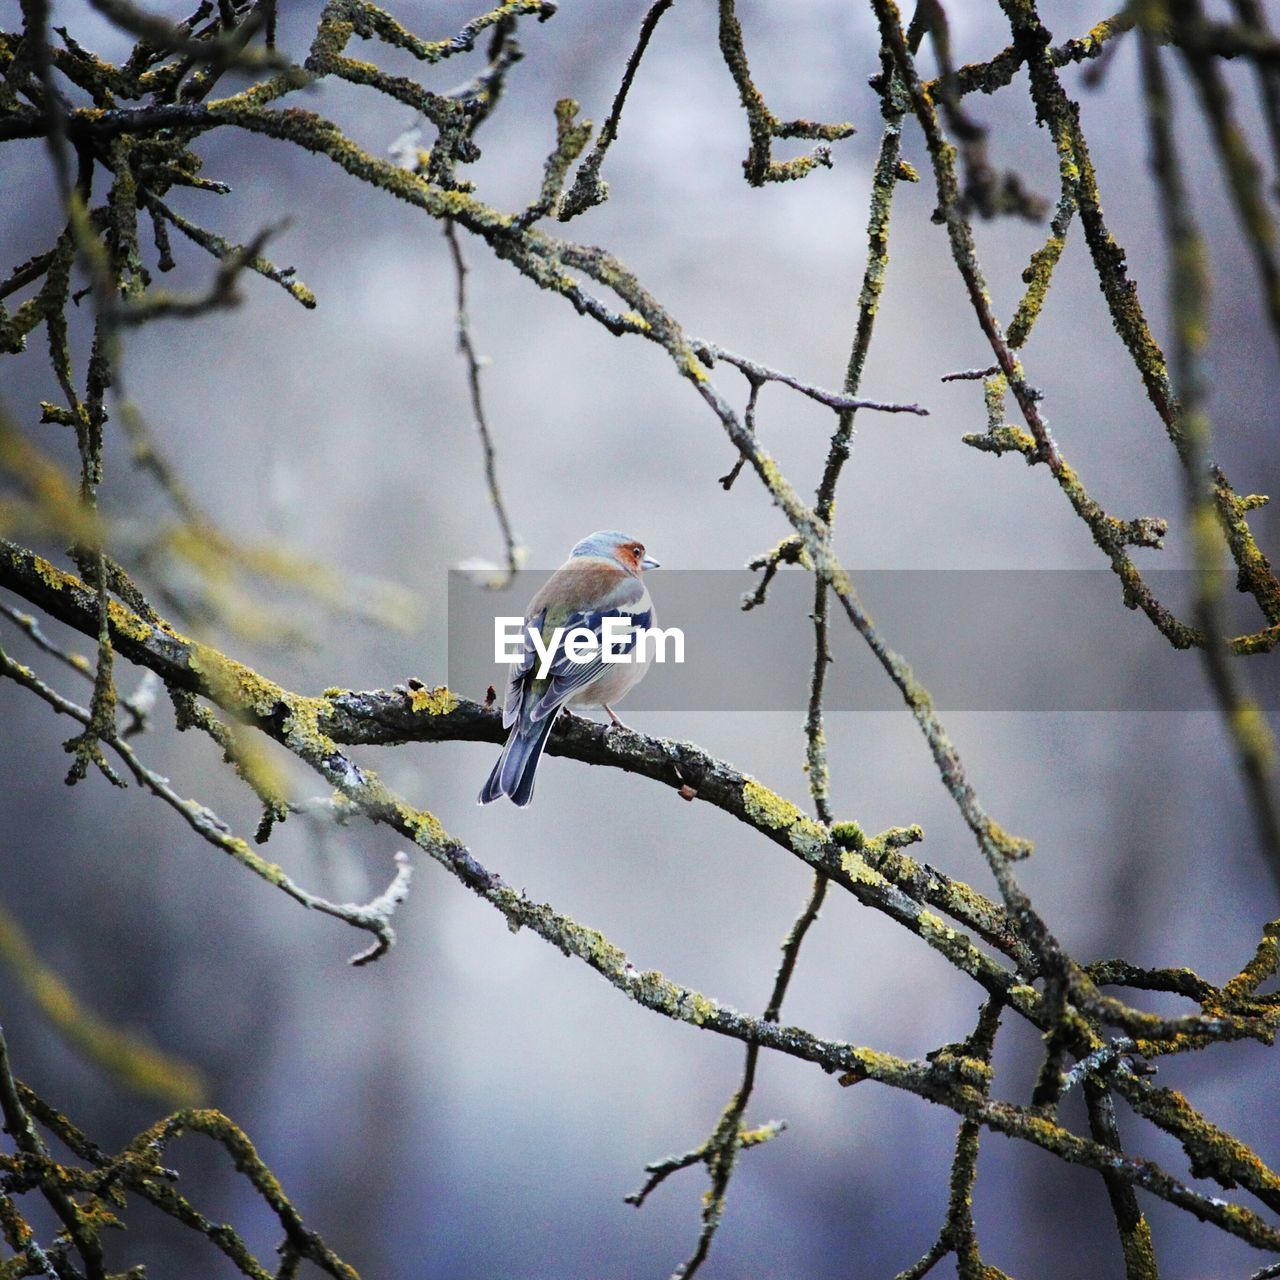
{"x":602,"y":578}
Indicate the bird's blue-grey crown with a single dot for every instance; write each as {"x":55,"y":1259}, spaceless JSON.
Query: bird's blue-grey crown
{"x":604,"y":542}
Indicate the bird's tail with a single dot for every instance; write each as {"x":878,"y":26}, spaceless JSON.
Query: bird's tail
{"x":513,"y":774}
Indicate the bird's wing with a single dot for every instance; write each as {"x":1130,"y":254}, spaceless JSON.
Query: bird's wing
{"x":628,"y":600}
{"x":522,"y":671}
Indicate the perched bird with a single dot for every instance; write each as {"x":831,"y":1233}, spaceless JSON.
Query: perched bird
{"x":601,"y":579}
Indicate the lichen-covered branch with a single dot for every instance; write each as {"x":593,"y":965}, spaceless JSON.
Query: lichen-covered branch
{"x":109,"y":1180}
{"x":760,"y":166}
{"x":1188,"y":286}
{"x":374,"y":916}
{"x":513,"y":552}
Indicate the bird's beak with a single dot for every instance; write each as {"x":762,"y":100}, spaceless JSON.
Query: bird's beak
{"x":650,"y":563}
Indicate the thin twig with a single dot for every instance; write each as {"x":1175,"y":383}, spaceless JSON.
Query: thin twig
{"x":588,"y":189}
{"x":512,"y":551}
{"x":710,"y":352}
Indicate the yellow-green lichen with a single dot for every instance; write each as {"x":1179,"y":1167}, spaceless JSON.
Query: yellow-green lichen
{"x":841,"y":583}
{"x":701,"y":1008}
{"x":848,"y":834}
{"x":48,"y":574}
{"x":233,"y":685}
{"x":433,"y":702}
{"x":769,"y":471}
{"x":859,"y":870}
{"x":1138,"y":1249}
{"x":1206,"y":536}
{"x":693,"y":367}
{"x":1252,"y":732}
{"x":931,"y":924}
{"x":874,"y":1065}
{"x":808,"y":837}
{"x":767,"y":808}
{"x":1024,"y":998}
{"x":124,"y":622}
{"x":1008,"y":846}
{"x":302,"y":726}
{"x":599,"y":952}
{"x":1037,"y":278}
{"x":422,"y":826}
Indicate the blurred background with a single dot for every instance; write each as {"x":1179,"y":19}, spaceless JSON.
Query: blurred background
{"x":473,"y":1105}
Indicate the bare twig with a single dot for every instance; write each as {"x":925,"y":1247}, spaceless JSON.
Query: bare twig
{"x":588,"y":189}
{"x":709,"y":353}
{"x":512,"y":550}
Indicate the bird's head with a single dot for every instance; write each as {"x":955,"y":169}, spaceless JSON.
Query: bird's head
{"x":609,"y":544}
